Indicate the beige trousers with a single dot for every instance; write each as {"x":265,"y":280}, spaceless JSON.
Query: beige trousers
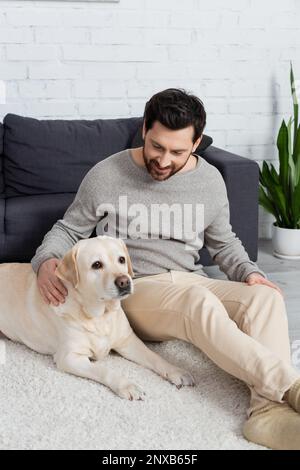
{"x":242,"y":328}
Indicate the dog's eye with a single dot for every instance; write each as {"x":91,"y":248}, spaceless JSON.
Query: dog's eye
{"x":97,"y":265}
{"x":122,"y":260}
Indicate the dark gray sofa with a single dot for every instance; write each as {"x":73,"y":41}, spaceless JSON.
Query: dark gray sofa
{"x":42,"y":163}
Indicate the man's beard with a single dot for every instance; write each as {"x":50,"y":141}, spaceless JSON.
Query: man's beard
{"x":152,"y":164}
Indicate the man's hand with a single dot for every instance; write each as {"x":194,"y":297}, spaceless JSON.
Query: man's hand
{"x":256,"y":278}
{"x":50,"y":286}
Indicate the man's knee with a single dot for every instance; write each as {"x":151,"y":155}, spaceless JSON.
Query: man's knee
{"x":199,"y":300}
{"x":264,"y":293}
{"x":266,"y":302}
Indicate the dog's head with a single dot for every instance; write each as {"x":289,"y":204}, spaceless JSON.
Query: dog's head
{"x":99,"y":268}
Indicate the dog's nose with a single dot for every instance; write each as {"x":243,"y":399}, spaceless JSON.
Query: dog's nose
{"x":122,"y":282}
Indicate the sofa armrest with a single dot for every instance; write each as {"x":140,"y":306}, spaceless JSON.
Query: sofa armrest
{"x":2,"y":195}
{"x":241,"y":176}
{"x":2,"y":234}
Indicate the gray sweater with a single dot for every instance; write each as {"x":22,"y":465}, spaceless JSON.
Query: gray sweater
{"x":163,"y":223}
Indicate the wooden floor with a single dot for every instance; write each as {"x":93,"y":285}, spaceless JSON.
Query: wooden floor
{"x":286,"y":274}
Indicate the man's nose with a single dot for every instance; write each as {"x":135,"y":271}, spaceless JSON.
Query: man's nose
{"x":122,"y":282}
{"x":164,"y":162}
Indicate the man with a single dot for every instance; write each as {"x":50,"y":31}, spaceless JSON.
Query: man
{"x":240,"y":323}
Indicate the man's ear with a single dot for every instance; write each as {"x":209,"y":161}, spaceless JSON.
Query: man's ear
{"x":67,"y":268}
{"x":128,"y":260}
{"x":197,"y":143}
{"x":143,"y":131}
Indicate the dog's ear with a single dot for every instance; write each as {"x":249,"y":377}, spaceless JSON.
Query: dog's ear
{"x":67,"y":268}
{"x":128,"y":260}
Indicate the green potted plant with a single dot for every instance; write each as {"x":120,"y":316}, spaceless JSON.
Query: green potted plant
{"x":279,"y":193}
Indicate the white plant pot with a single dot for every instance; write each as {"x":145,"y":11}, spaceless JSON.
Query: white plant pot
{"x":286,"y":242}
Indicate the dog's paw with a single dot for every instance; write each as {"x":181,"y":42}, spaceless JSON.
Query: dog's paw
{"x":180,"y":377}
{"x":131,"y":392}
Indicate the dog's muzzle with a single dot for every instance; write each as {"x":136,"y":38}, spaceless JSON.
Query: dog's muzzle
{"x":123,"y":284}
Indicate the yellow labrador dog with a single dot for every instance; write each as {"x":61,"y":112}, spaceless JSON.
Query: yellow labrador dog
{"x":97,"y":273}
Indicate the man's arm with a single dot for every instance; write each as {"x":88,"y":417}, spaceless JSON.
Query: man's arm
{"x":225,"y":247}
{"x":78,"y":222}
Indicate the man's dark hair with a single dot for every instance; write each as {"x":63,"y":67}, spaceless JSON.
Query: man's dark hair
{"x":176,"y":109}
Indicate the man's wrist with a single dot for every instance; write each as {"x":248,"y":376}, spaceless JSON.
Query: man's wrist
{"x":255,"y":272}
{"x":42,"y":262}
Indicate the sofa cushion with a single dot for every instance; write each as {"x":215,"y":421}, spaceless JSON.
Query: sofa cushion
{"x":53,"y":156}
{"x":137,"y":140}
{"x":27,"y":219}
{"x":1,"y":162}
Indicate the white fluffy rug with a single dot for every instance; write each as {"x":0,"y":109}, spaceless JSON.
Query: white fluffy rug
{"x":43,"y":408}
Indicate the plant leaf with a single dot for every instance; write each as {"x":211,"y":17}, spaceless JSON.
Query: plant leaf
{"x":267,"y":203}
{"x":296,"y":204}
{"x":296,"y":156}
{"x":292,"y":172}
{"x":295,"y":102}
{"x":275,"y":194}
{"x":274,"y":174}
{"x":282,"y":145}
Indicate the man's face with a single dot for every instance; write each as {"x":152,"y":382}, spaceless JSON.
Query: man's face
{"x":166,"y":151}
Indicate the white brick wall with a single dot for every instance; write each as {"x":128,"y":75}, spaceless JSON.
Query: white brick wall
{"x":89,"y":60}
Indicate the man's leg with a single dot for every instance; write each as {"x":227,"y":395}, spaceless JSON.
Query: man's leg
{"x":183,"y":305}
{"x":260,"y":312}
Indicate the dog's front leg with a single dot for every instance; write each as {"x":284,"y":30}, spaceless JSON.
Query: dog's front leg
{"x":80,"y":365}
{"x":135,"y":350}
